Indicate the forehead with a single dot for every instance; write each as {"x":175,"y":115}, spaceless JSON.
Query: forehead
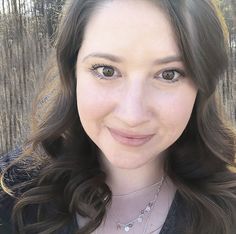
{"x":135,"y":26}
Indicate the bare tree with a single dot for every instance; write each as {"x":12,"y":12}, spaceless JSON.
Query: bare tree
{"x":26,"y":30}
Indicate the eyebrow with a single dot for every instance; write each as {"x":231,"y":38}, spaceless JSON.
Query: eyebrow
{"x":113,"y":58}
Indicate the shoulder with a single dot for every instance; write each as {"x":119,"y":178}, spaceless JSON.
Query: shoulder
{"x":17,"y":173}
{"x":6,"y":205}
{"x":13,"y":177}
{"x":7,"y":158}
{"x":180,"y":217}
{"x":6,"y":201}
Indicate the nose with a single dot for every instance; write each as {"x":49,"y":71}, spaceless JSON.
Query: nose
{"x":133,"y":108}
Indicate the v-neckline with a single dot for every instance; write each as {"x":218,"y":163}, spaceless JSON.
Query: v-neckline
{"x":169,"y":218}
{"x":171,"y":214}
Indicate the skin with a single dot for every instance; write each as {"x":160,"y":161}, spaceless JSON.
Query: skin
{"x":136,"y":99}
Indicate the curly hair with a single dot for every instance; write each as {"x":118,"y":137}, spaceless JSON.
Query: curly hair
{"x":67,"y":176}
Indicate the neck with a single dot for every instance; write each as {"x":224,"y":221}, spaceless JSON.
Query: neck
{"x":124,"y":181}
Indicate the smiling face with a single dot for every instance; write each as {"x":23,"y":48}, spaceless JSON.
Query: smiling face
{"x":134,"y":96}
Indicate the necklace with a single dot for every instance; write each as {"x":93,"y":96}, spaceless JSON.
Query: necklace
{"x":147,"y":211}
{"x":144,"y":212}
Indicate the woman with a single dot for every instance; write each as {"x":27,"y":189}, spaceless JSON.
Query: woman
{"x":133,"y":139}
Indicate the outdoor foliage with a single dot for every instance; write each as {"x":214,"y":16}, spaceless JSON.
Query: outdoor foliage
{"x":27,"y":29}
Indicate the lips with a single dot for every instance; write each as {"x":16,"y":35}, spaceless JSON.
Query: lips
{"x":131,"y":139}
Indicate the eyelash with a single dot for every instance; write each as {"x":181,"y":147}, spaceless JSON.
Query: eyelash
{"x":94,"y":67}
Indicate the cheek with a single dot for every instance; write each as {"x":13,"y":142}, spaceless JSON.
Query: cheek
{"x":92,"y":101}
{"x":176,"y":109}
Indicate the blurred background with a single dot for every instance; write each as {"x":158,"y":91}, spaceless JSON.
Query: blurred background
{"x":27,"y":29}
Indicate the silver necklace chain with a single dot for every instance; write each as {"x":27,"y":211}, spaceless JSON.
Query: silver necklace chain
{"x":146,"y":211}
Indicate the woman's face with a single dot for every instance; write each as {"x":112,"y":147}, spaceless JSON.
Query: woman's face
{"x":134,"y":96}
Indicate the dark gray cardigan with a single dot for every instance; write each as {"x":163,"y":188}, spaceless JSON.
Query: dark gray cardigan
{"x":174,"y":223}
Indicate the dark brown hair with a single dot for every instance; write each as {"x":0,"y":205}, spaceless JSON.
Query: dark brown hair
{"x":201,"y":163}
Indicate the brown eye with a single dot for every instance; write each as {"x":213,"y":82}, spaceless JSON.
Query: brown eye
{"x":171,"y":75}
{"x":168,"y":75}
{"x":105,"y":72}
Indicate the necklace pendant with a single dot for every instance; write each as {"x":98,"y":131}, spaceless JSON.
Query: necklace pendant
{"x":148,"y":208}
{"x":128,"y":227}
{"x":140,"y":219}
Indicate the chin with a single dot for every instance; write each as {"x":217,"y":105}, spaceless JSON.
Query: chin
{"x":128,"y":162}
